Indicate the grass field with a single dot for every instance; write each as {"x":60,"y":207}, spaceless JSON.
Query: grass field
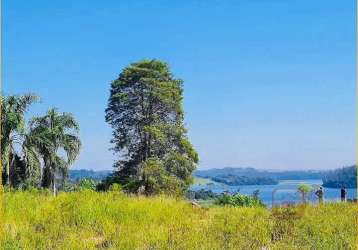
{"x":89,"y":220}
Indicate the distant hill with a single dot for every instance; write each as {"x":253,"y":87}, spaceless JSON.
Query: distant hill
{"x":346,"y":176}
{"x":252,"y":172}
{"x":234,"y":180}
{"x":252,"y":176}
{"x":76,"y":175}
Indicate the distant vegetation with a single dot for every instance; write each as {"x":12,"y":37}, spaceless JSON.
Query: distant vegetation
{"x":76,"y":175}
{"x":338,"y":178}
{"x":233,"y":180}
{"x":251,"y":176}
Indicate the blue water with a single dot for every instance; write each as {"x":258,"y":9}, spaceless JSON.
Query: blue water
{"x":284,"y":192}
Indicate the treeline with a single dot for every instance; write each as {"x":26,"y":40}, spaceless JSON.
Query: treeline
{"x":255,"y":173}
{"x":30,"y":148}
{"x":251,"y":176}
{"x":75,"y":175}
{"x":342,"y":177}
{"x":233,"y":180}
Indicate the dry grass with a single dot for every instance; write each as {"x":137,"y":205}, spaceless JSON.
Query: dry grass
{"x":89,"y":220}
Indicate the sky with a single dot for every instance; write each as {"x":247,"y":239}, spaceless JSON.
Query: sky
{"x":267,"y":84}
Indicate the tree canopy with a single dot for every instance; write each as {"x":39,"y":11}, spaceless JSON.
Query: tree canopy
{"x":30,"y":152}
{"x":342,"y":177}
{"x":146,"y":113}
{"x":51,"y":133}
{"x":13,"y":129}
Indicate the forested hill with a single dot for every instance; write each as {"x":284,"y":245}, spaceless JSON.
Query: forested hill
{"x":76,"y":175}
{"x":255,"y":173}
{"x":247,"y":176}
{"x":228,"y":175}
{"x":346,"y":176}
{"x":234,"y":180}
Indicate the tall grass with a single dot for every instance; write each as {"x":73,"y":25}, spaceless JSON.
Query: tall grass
{"x":90,"y":220}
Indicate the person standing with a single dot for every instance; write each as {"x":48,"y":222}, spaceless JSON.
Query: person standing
{"x":343,"y":194}
{"x":319,"y":194}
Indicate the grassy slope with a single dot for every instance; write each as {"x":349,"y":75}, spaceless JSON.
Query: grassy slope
{"x":111,"y":220}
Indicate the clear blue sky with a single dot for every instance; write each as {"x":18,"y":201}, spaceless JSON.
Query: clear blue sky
{"x":268,"y":84}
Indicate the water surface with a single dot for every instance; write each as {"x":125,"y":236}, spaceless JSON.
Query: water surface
{"x":284,"y":192}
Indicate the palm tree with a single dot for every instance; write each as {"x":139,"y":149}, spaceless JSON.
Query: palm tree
{"x":31,"y":150}
{"x":13,"y":109}
{"x":49,"y":136}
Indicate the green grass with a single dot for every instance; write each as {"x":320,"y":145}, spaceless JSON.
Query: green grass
{"x":89,"y":220}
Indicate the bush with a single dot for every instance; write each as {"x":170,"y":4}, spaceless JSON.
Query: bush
{"x":87,"y":184}
{"x":201,"y":194}
{"x":115,"y":187}
{"x":239,"y":200}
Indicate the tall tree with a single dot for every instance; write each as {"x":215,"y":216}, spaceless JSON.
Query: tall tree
{"x":13,"y":109}
{"x":146,"y":114}
{"x":49,"y":135}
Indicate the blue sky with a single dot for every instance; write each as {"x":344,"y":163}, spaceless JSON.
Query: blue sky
{"x":268,"y":84}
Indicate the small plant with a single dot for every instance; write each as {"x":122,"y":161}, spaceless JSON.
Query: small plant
{"x":304,"y":189}
{"x":115,"y":187}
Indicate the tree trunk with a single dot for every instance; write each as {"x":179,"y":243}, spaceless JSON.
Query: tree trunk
{"x":53,"y":184}
{"x":47,"y":178}
{"x":7,"y":172}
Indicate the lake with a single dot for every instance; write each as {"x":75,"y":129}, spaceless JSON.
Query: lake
{"x":284,"y":192}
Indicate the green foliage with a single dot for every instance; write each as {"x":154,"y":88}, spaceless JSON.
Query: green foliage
{"x":146,"y":114}
{"x":106,"y":220}
{"x":115,"y":187}
{"x":23,"y":148}
{"x":201,"y":194}
{"x":158,"y":180}
{"x":304,"y":189}
{"x":49,"y":134}
{"x":239,"y":200}
{"x":87,"y":184}
{"x":13,"y":133}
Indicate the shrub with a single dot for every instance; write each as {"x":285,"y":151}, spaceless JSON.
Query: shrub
{"x":239,"y":200}
{"x":87,"y":184}
{"x":115,"y":187}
